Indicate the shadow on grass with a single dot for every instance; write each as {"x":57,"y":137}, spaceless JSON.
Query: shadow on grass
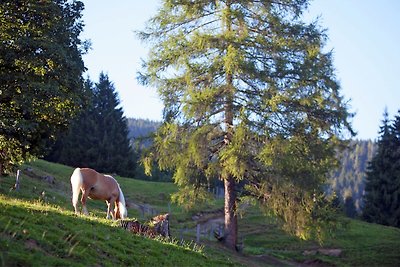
{"x":33,"y":234}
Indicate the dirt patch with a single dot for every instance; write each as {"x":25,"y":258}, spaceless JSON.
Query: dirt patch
{"x":333,"y":252}
{"x":32,"y":245}
{"x":316,"y":263}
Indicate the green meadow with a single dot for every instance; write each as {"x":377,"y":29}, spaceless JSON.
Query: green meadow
{"x":38,"y":228}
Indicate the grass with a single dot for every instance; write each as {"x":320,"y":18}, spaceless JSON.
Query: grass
{"x":38,"y":228}
{"x":33,"y":234}
{"x":361,"y":243}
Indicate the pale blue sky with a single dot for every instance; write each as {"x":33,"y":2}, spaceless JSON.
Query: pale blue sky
{"x":364,"y":34}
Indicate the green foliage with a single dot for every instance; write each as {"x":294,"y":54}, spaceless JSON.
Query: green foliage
{"x":382,"y":190}
{"x":41,"y":70}
{"x":98,"y":138}
{"x":250,"y":95}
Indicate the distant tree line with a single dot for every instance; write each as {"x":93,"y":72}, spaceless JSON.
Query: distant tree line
{"x":141,"y":134}
{"x":348,"y":180}
{"x":141,"y":128}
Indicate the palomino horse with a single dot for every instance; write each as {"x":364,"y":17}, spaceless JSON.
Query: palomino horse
{"x":98,"y":186}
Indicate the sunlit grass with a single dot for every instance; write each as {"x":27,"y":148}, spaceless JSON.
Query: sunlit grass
{"x":41,"y":230}
{"x":38,"y":223}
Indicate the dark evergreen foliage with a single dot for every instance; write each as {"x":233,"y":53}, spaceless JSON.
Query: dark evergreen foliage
{"x":382,"y":190}
{"x":99,"y":137}
{"x":41,"y":70}
{"x":349,"y":207}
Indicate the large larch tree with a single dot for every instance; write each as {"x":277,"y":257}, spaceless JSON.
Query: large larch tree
{"x":250,"y":96}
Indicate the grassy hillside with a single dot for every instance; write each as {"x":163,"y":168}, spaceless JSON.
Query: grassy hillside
{"x":38,"y":228}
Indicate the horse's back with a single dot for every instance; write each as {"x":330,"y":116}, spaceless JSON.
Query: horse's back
{"x":102,"y":186}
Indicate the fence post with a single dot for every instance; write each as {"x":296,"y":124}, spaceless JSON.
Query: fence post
{"x":198,"y":234}
{"x":16,"y":186}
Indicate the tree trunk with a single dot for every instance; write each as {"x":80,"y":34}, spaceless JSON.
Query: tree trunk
{"x":230,"y":234}
{"x":231,"y":227}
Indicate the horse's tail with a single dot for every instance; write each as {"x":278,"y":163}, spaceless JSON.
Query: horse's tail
{"x":122,"y":205}
{"x":76,"y":183}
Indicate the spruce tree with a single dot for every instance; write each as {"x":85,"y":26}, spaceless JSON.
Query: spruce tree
{"x":382,"y":190}
{"x":250,"y":97}
{"x":114,"y":153}
{"x":98,"y":138}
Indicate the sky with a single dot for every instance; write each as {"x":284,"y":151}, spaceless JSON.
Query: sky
{"x":363,"y":34}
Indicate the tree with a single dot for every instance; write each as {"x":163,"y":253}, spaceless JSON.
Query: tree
{"x":40,"y":74}
{"x":382,"y":190}
{"x":98,"y":138}
{"x":250,"y":97}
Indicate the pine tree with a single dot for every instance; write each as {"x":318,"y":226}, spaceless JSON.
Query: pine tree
{"x":250,"y":97}
{"x":382,"y":190}
{"x":99,"y":137}
{"x":114,"y":153}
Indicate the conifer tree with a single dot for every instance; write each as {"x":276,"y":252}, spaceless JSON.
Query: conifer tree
{"x":114,"y":153}
{"x":98,"y":138}
{"x":382,"y":190}
{"x":250,"y":96}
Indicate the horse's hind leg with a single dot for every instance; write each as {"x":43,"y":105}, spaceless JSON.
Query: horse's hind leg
{"x":75,"y":197}
{"x":76,"y":183}
{"x":85,"y":194}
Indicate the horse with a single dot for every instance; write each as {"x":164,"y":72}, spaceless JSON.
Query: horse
{"x":98,"y":186}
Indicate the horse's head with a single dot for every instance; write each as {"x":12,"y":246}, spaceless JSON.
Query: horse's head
{"x":121,"y":211}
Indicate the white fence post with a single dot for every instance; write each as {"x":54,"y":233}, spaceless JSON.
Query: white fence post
{"x":198,"y":234}
{"x":16,"y":186}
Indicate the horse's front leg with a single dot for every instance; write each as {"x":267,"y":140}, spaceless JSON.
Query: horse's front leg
{"x":110,"y":208}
